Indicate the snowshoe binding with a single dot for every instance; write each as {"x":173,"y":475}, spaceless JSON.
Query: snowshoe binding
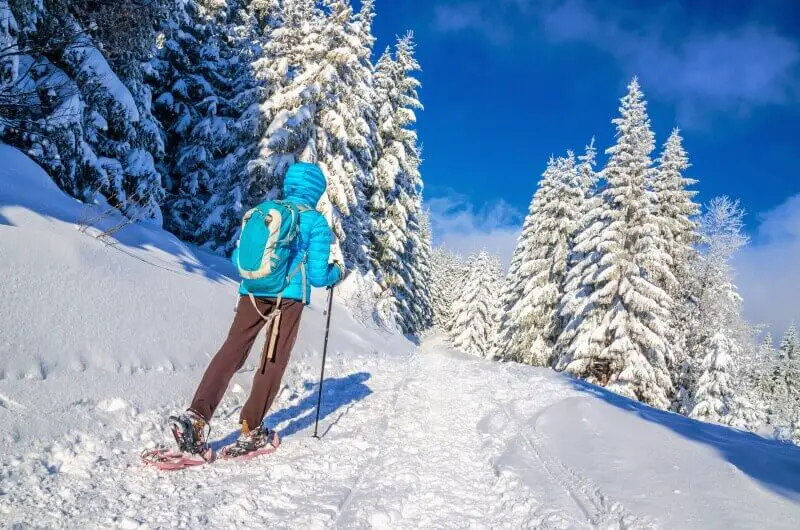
{"x":252,"y":443}
{"x":191,"y":434}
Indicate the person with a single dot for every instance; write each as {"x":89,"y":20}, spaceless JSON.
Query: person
{"x":304,"y":184}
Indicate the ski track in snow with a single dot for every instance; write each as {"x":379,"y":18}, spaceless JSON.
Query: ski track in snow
{"x":436,"y":445}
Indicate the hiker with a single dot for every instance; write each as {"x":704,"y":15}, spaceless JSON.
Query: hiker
{"x":309,"y":254}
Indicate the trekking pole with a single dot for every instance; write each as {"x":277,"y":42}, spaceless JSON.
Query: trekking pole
{"x":324,"y":354}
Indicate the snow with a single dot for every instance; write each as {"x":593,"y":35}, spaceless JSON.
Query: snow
{"x":93,"y":64}
{"x":99,"y":343}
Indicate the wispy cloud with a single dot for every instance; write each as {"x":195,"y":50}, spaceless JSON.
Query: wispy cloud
{"x":702,"y":71}
{"x":471,"y":16}
{"x":732,"y":70}
{"x":768,"y":271}
{"x":460,"y":226}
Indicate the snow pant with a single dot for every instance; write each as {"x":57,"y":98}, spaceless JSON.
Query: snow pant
{"x":231,"y":357}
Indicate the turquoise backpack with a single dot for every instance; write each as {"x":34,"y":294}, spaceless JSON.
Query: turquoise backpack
{"x":265,"y":244}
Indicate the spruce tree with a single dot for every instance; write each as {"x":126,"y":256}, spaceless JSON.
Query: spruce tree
{"x":790,"y":347}
{"x":448,"y":276}
{"x":321,"y":113}
{"x":531,"y":327}
{"x":716,"y":326}
{"x":77,"y":118}
{"x":206,"y":101}
{"x":674,"y":211}
{"x":620,"y":338}
{"x":395,"y":201}
{"x":475,"y":310}
{"x":714,"y":395}
{"x":789,"y":389}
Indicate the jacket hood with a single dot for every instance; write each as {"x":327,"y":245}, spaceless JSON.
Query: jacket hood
{"x":304,"y":184}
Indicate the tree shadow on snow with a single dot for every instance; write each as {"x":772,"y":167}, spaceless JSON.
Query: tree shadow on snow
{"x":337,"y":394}
{"x":775,"y":464}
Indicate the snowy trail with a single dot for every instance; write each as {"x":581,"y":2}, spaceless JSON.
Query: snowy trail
{"x":423,"y":439}
{"x":431,"y":447}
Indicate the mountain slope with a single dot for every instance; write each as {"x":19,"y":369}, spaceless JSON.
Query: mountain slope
{"x":99,"y":343}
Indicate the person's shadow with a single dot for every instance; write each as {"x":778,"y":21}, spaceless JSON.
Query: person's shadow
{"x":337,"y":393}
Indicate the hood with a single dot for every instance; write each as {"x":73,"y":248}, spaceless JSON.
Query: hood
{"x":304,"y":184}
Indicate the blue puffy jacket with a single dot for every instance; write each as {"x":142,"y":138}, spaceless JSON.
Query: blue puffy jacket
{"x":304,"y":185}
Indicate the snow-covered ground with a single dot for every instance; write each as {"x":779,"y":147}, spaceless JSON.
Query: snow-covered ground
{"x":99,"y":343}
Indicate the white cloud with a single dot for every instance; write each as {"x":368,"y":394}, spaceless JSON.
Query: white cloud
{"x":733,"y":70}
{"x":453,"y":18}
{"x":465,"y":229}
{"x":768,"y":271}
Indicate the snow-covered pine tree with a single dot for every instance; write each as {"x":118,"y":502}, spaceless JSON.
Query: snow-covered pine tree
{"x":82,"y":123}
{"x":531,"y":325}
{"x":448,"y":276}
{"x":790,"y":346}
{"x":619,"y":338}
{"x":674,"y":211}
{"x":475,"y":310}
{"x":387,"y":231}
{"x":716,"y":326}
{"x":587,"y":176}
{"x":583,"y":256}
{"x":512,"y":287}
{"x":205,"y":100}
{"x":320,"y":112}
{"x":787,"y":391}
{"x":395,"y":200}
{"x":13,"y":100}
{"x":714,"y":394}
{"x":416,"y":307}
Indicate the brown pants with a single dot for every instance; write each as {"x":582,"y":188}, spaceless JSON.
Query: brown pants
{"x":233,"y":354}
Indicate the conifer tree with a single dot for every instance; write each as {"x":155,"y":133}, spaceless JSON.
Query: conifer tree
{"x":674,"y":211}
{"x":620,"y":338}
{"x":717,"y":329}
{"x":76,"y":117}
{"x":587,"y":176}
{"x":448,"y":276}
{"x":206,"y":101}
{"x":787,"y":393}
{"x":475,"y":310}
{"x":790,"y":347}
{"x":395,"y":201}
{"x":714,"y":394}
{"x":531,"y":326}
{"x":322,"y":113}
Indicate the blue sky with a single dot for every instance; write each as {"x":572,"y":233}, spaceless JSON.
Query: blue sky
{"x":508,"y":82}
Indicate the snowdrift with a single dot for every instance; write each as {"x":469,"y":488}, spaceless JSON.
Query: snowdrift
{"x":101,"y":340}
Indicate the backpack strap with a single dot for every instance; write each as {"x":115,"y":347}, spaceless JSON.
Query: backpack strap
{"x":301,"y":268}
{"x":273,"y":323}
{"x":301,"y":209}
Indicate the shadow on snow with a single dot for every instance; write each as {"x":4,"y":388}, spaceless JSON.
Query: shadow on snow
{"x":337,"y":393}
{"x":774,"y":464}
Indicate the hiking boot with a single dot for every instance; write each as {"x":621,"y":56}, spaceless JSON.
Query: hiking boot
{"x":252,"y":442}
{"x":191,"y":433}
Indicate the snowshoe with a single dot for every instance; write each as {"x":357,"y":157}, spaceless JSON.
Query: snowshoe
{"x":170,"y":460}
{"x":252,"y":443}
